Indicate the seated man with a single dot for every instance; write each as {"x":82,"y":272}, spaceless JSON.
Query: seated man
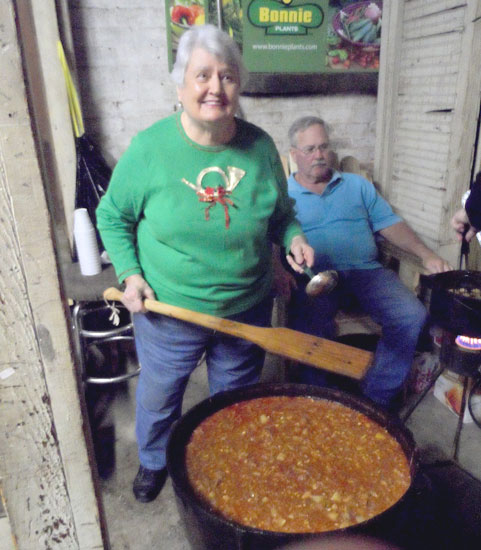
{"x":341,"y":214}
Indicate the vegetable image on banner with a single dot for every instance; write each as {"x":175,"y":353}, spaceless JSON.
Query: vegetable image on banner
{"x":354,"y":36}
{"x":311,"y":37}
{"x":181,"y":15}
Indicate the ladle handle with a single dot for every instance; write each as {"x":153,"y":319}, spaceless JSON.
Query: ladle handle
{"x":308,"y":271}
{"x":464,"y":250}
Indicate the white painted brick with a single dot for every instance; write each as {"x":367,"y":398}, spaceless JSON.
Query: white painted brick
{"x":121,"y":52}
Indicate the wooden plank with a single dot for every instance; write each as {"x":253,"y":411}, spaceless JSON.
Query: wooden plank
{"x":432,"y":66}
{"x":436,"y":139}
{"x":388,"y":92}
{"x":413,"y":192}
{"x":435,"y":23}
{"x":445,"y":50}
{"x":401,"y":172}
{"x":420,"y":166}
{"x":443,"y":119}
{"x":413,"y":195}
{"x":47,"y":91}
{"x":427,"y":103}
{"x":436,"y":145}
{"x":424,"y":209}
{"x":423,"y":140}
{"x":425,"y":109}
{"x":421,"y":8}
{"x":428,"y":185}
{"x":428,"y":81}
{"x":409,"y":186}
{"x":44,"y":464}
{"x":414,"y":155}
{"x":402,"y":197}
{"x":444,"y":44}
{"x":424,"y":127}
{"x":421,"y":92}
{"x":405,"y":204}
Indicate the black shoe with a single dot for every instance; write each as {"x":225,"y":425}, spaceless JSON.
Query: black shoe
{"x":148,"y":483}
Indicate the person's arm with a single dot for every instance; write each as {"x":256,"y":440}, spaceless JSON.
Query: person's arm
{"x":284,"y":229}
{"x":401,"y":235}
{"x":117,"y":216}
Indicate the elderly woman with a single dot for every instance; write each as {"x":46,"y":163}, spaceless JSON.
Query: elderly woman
{"x":189,"y":217}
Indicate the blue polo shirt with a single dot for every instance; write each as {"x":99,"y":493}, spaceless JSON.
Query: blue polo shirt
{"x":340,"y":224}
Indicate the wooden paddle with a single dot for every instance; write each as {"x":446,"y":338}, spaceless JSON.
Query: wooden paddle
{"x":300,"y":347}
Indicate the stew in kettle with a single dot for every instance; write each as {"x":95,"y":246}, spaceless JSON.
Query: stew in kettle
{"x":296,"y":464}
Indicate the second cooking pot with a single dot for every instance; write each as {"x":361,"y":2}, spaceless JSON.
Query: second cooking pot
{"x":454,"y":301}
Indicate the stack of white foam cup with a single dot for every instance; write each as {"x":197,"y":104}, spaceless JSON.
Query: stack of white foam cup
{"x":86,"y":243}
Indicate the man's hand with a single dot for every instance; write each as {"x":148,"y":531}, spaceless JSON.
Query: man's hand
{"x":460,"y":222}
{"x":435,"y":264}
{"x":136,"y":289}
{"x":300,"y":254}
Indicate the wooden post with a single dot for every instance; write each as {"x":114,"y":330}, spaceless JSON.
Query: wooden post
{"x":387,"y":92}
{"x":45,"y":471}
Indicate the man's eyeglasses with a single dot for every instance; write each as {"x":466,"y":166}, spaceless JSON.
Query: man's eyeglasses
{"x":311,"y":149}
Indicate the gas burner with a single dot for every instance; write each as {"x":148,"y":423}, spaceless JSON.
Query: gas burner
{"x":468,"y":343}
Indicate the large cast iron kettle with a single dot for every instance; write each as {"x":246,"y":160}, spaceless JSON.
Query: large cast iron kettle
{"x":453,"y":311}
{"x":208,"y":530}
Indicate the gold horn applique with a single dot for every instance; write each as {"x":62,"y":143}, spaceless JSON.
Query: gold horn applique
{"x":214,"y":195}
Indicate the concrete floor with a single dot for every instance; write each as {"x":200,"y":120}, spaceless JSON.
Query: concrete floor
{"x":136,"y":526}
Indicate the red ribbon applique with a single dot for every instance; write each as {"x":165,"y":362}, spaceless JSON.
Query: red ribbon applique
{"x":219,"y":195}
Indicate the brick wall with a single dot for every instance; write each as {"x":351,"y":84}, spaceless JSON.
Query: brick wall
{"x":121,"y":55}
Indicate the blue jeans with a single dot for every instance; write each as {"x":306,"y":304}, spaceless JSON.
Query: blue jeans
{"x":168,"y":351}
{"x":383,"y":296}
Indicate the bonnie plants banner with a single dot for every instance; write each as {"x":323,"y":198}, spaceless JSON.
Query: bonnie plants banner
{"x":289,"y":36}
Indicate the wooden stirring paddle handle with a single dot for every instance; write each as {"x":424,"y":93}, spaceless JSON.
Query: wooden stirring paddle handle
{"x":291,"y":344}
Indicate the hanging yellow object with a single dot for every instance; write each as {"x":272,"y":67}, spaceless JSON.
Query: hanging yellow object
{"x":73,"y":101}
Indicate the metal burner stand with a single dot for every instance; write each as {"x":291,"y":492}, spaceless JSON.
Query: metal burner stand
{"x":463,"y":362}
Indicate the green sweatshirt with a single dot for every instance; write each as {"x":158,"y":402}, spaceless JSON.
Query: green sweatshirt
{"x":208,"y":256}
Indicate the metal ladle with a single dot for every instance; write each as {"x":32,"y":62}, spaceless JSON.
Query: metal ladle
{"x":322,"y":283}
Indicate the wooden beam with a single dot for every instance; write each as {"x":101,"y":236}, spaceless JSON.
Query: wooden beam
{"x":48,"y":100}
{"x":45,"y":469}
{"x":390,"y":59}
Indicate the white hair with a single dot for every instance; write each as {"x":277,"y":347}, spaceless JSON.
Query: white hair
{"x":214,"y":41}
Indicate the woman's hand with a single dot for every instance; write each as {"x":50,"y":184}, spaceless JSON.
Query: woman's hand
{"x":300,"y":254}
{"x":136,"y":289}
